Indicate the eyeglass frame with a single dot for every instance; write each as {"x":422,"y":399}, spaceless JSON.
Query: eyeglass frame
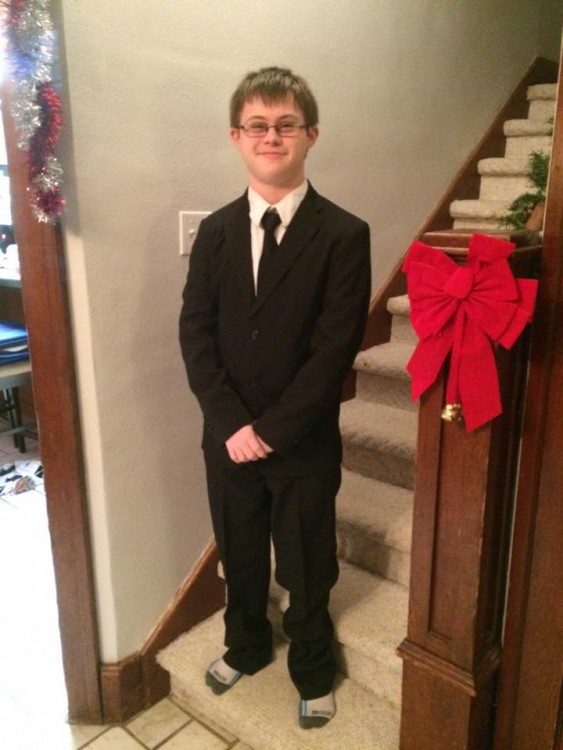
{"x":266,"y":129}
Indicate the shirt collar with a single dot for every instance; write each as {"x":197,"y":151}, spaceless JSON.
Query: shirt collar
{"x":286,"y":208}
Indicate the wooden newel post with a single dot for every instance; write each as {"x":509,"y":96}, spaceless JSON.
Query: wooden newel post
{"x":462,"y":508}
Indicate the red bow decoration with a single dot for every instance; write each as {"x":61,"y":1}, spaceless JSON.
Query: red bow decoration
{"x":463,"y":310}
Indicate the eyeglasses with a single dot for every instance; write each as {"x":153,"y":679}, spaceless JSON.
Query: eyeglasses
{"x":283,"y":129}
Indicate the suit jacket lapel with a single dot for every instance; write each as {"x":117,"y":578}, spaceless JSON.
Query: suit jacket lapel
{"x":303,"y":226}
{"x":238,"y":247}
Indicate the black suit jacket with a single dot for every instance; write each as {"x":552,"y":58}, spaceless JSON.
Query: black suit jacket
{"x":277,"y":359}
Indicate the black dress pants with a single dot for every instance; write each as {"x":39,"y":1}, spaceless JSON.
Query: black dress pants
{"x":249,"y":510}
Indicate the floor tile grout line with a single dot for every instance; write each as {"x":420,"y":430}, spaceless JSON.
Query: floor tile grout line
{"x":202,"y":721}
{"x":89,"y":743}
{"x":107,"y":729}
{"x":177,"y":731}
{"x":229,"y":744}
{"x":127,"y":730}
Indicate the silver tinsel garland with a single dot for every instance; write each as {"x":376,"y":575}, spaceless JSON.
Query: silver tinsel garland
{"x":32,"y":55}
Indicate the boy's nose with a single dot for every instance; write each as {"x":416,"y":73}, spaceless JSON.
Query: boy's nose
{"x":272,"y":134}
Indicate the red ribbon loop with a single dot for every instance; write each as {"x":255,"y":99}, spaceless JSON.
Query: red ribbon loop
{"x":463,"y":310}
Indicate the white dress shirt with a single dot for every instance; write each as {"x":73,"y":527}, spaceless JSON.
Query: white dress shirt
{"x":286,"y":208}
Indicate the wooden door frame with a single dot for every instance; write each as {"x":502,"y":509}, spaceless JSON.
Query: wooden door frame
{"x":47,"y":317}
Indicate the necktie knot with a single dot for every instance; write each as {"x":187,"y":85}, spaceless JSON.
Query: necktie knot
{"x":270,"y":220}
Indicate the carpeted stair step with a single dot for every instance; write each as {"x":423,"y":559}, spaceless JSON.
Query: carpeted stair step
{"x":399,"y":305}
{"x":262,"y":710}
{"x":402,"y":331}
{"x":542,"y":91}
{"x":542,"y":101}
{"x":478,"y":214}
{"x":523,"y":146}
{"x":381,"y":375}
{"x":379,"y":441}
{"x":370,"y":619}
{"x":527,"y":128}
{"x":504,"y":188}
{"x":502,"y":167}
{"x":374,"y":526}
{"x":504,"y":179}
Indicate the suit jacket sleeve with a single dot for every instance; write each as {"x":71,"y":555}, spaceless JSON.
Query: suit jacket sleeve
{"x":222,"y":408}
{"x":337,"y":335}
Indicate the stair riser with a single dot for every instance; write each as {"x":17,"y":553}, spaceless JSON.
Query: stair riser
{"x":381,"y":389}
{"x":371,"y":674}
{"x":402,"y":331}
{"x":503,"y":167}
{"x":527,"y":127}
{"x":355,"y":546}
{"x":385,"y":467}
{"x":522,"y":147}
{"x":541,"y":109}
{"x":504,"y":188}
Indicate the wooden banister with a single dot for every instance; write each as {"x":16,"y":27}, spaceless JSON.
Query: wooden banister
{"x":464,"y":487}
{"x":530,"y":699}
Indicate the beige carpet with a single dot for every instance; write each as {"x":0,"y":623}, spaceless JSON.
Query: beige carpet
{"x":262,"y":710}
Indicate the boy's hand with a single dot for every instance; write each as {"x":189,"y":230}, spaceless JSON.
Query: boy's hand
{"x":245,"y":445}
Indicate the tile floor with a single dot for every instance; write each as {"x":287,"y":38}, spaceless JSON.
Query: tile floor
{"x":32,"y":692}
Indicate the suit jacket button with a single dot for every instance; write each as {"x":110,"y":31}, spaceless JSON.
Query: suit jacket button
{"x":254,"y":382}
{"x":255,"y":335}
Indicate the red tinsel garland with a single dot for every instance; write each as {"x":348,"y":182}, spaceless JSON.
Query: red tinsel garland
{"x":43,"y":142}
{"x":36,"y":105}
{"x":14,"y":11}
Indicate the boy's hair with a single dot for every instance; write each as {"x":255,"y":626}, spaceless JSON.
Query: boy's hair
{"x":273,"y":85}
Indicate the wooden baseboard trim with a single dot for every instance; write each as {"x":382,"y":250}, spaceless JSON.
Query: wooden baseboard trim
{"x":122,"y":689}
{"x":138,"y":681}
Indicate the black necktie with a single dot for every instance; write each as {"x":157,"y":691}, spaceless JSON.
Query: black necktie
{"x":270,"y":221}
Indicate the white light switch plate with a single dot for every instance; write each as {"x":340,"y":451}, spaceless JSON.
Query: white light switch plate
{"x":189,"y":224}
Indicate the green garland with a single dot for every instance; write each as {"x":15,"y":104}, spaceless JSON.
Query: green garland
{"x":522,"y":207}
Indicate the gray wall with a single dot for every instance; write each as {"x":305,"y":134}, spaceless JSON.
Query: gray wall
{"x":550,"y":24}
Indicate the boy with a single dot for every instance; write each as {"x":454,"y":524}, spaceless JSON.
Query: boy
{"x":274,"y":310}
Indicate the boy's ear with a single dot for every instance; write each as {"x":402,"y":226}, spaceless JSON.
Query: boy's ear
{"x":312,"y":135}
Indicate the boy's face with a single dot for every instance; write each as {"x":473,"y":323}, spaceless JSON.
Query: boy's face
{"x":272,"y":160}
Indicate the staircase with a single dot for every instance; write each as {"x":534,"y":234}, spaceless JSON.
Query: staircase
{"x":374,"y":508}
{"x":503,"y":180}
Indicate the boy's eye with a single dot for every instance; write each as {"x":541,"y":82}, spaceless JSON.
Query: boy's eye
{"x":287,"y":128}
{"x":260,"y":129}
